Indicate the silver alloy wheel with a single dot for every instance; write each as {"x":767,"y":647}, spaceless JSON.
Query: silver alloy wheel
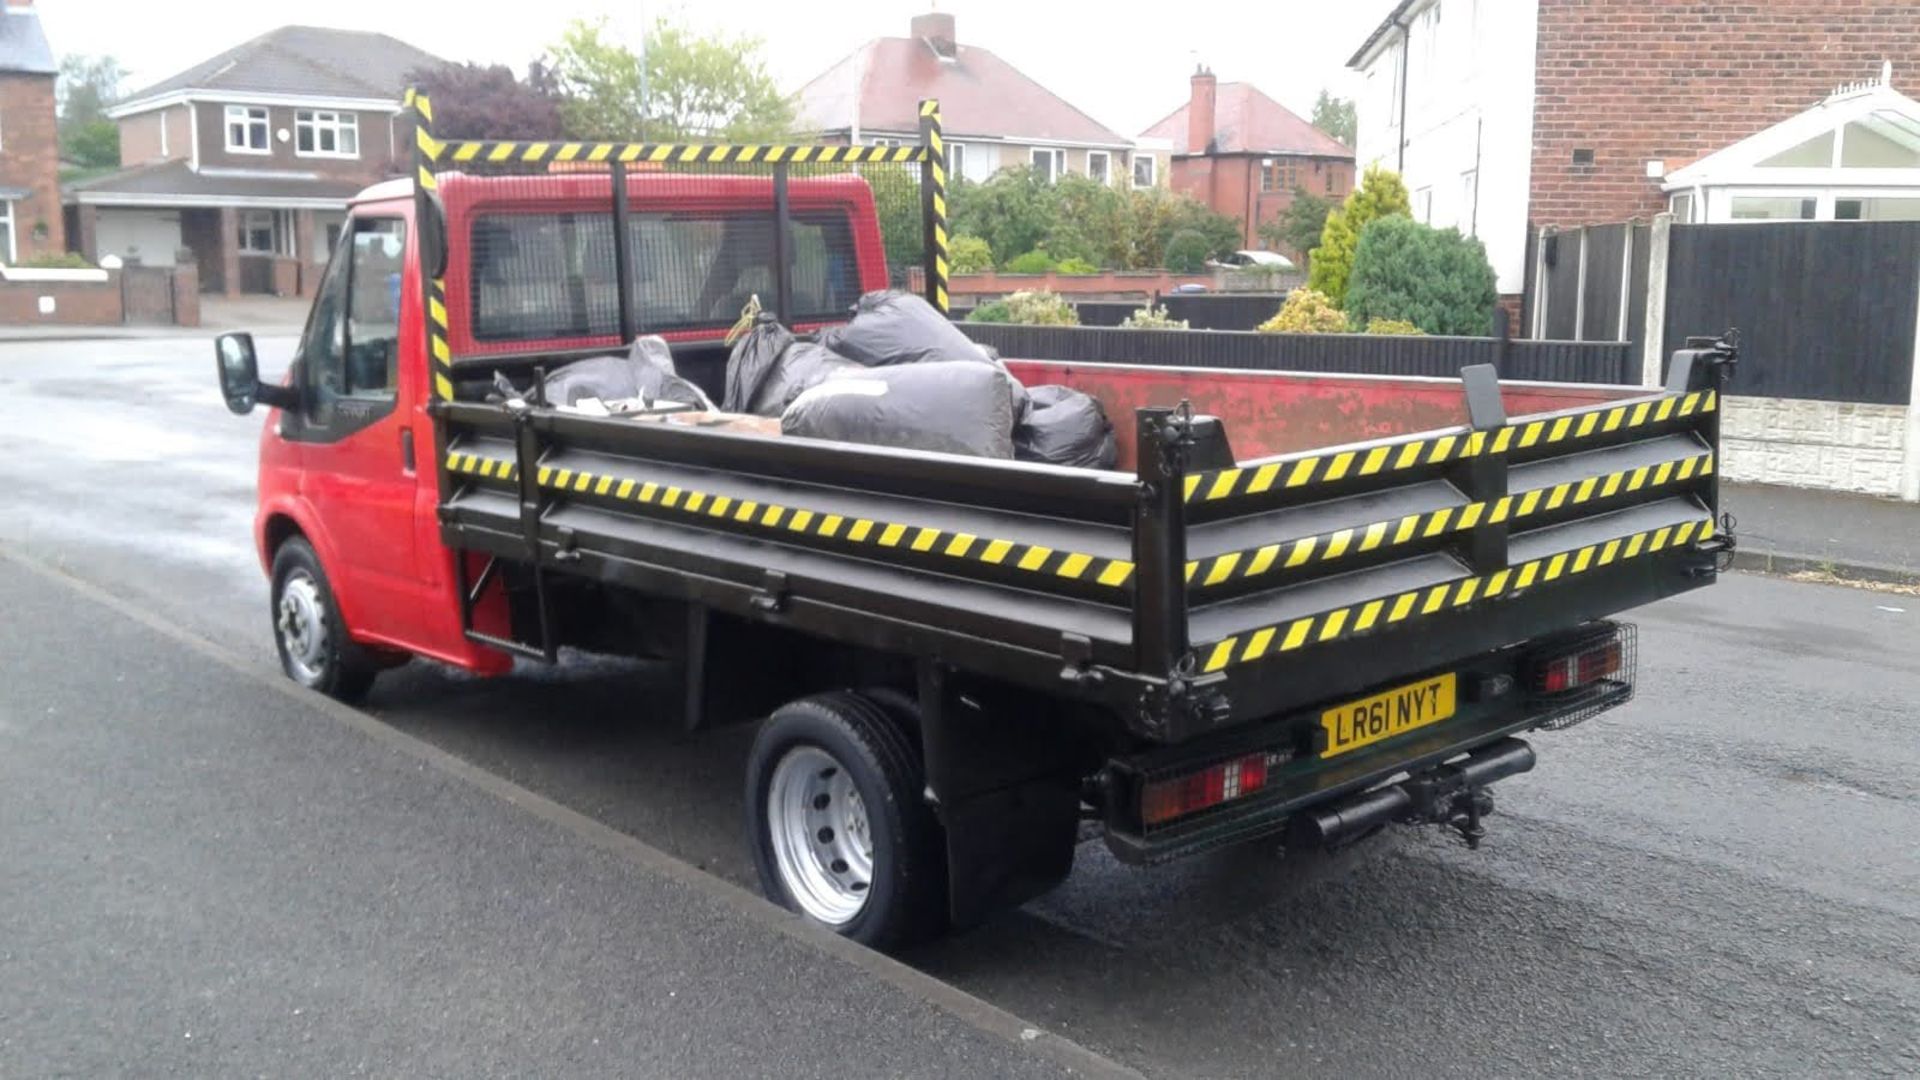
{"x":301,"y":619}
{"x":821,"y":841}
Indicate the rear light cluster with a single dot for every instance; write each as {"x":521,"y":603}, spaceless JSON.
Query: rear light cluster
{"x":1164,"y":800}
{"x":1572,"y":671}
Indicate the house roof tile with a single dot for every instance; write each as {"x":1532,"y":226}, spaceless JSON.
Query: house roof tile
{"x":880,"y":85}
{"x":1246,"y":121}
{"x":303,"y":60}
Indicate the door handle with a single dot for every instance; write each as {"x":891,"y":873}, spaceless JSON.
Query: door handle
{"x":406,"y":449}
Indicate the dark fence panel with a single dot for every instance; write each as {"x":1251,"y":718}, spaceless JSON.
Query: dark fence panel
{"x":1223,"y":311}
{"x":1600,"y":299}
{"x":1561,"y":268}
{"x":1352,"y":354}
{"x":1825,"y":309}
{"x":1106,"y":312}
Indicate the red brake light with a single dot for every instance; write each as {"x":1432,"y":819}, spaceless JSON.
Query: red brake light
{"x":1162,"y":801}
{"x":1575,"y":670}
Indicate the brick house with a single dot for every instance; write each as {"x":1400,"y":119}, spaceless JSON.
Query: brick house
{"x":993,"y":114}
{"x":1571,"y":112}
{"x":245,"y":162}
{"x":30,"y":220}
{"x":1245,"y":154}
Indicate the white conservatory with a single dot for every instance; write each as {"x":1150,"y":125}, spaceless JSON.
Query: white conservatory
{"x":1853,"y":157}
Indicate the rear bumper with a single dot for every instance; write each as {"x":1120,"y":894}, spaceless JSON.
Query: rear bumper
{"x":1494,"y":706}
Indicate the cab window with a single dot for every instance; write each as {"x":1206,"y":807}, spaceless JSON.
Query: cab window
{"x":351,"y":351}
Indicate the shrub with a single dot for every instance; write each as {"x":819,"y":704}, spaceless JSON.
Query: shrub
{"x":1436,"y":279}
{"x":1076,"y":265}
{"x":969,"y":255}
{"x":1153,"y":317}
{"x":1187,"y":252}
{"x":57,"y":260}
{"x":1038,"y":307}
{"x":1033,"y":262}
{"x":994,"y":311}
{"x":1378,"y":325}
{"x":1307,"y":311}
{"x":1381,"y":194}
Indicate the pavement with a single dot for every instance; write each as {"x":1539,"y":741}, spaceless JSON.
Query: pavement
{"x":211,"y":874}
{"x":263,"y":316}
{"x":1784,"y":530}
{"x":1721,"y":879}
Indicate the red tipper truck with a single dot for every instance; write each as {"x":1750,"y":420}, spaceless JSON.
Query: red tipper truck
{"x":1302,"y":605}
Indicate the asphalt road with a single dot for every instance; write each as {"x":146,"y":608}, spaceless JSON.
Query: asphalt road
{"x":1722,"y":878}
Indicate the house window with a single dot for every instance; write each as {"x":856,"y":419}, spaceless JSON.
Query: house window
{"x":8,"y":253}
{"x":1423,"y":206}
{"x":1049,"y":163}
{"x":1470,"y":199}
{"x":320,"y":133}
{"x":1098,"y":165}
{"x":1681,"y":207}
{"x":1333,"y":181}
{"x":1143,"y":170}
{"x":247,"y":130}
{"x":885,"y":142}
{"x":956,"y":161}
{"x":1773,"y":208}
{"x":1281,"y":175}
{"x":259,"y":231}
{"x":1881,"y":208}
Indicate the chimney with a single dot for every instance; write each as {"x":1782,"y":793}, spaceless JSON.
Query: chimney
{"x":936,"y":29}
{"x":1200,"y":111}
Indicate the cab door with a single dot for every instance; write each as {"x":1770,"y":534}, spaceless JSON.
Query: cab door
{"x":360,"y":470}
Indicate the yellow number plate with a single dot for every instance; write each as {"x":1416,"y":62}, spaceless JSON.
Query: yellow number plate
{"x":1382,"y":716}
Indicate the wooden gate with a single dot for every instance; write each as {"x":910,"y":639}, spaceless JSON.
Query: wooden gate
{"x":146,"y":294}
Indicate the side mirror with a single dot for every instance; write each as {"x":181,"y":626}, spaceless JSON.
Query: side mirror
{"x":239,"y":371}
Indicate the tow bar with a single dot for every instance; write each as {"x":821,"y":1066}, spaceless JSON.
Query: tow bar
{"x":1453,"y":794}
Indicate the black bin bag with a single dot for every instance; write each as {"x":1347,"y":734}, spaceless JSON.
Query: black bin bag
{"x":891,"y":328}
{"x":951,"y":407}
{"x":754,"y":357}
{"x":1063,"y":426}
{"x":646,"y":371}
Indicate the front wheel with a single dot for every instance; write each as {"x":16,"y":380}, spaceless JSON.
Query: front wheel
{"x":315,"y":650}
{"x":840,"y":828}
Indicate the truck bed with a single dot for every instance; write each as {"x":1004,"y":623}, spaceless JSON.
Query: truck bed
{"x":1366,"y":529}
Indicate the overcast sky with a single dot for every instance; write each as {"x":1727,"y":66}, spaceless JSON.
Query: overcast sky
{"x":1124,"y":62}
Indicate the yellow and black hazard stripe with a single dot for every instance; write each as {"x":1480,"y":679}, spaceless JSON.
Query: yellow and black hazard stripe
{"x":1382,"y":535}
{"x":481,"y":465}
{"x":440,"y":352}
{"x":786,"y":521}
{"x":932,"y":135}
{"x":490,"y":151}
{"x":1314,"y":469}
{"x":1371,"y":616}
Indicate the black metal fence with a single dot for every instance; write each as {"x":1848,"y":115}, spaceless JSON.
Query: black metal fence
{"x":1357,"y":354}
{"x":1825,"y":310}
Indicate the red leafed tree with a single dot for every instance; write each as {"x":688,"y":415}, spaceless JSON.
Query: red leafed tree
{"x":475,"y":101}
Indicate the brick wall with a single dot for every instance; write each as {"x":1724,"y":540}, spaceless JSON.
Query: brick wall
{"x":31,"y":159}
{"x":1230,"y":184}
{"x":1634,"y":80}
{"x":75,"y":303}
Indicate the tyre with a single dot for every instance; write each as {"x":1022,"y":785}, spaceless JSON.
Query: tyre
{"x":839,"y":823}
{"x":308,"y":631}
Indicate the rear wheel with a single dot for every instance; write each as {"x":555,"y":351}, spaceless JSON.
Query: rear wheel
{"x":312,"y":640}
{"x":840,"y":828}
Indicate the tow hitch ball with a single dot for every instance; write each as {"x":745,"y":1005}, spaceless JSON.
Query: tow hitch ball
{"x":1454,"y":795}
